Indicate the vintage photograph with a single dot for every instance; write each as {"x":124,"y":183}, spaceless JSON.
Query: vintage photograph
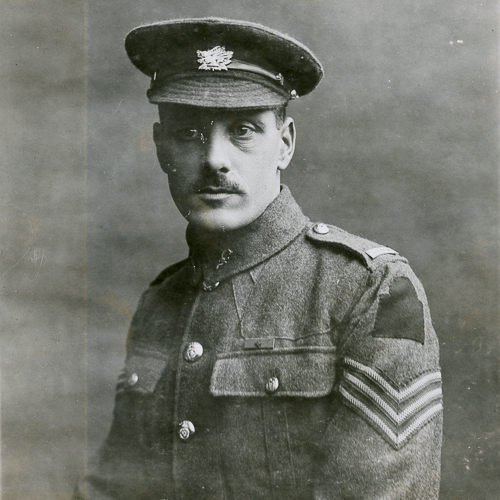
{"x":249,"y":251}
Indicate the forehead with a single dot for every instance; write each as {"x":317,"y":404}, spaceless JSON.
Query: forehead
{"x":180,"y":113}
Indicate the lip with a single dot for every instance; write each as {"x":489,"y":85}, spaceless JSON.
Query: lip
{"x":213,"y":196}
{"x":216,"y":193}
{"x":217,"y":190}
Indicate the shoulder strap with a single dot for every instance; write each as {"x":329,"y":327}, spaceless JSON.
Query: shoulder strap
{"x":365,"y":250}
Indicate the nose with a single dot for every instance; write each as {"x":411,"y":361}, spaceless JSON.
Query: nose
{"x":217,"y":149}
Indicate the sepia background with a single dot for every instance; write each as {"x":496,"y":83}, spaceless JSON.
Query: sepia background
{"x":399,"y":144}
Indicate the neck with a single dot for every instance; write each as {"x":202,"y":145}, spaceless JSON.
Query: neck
{"x":278,"y":225}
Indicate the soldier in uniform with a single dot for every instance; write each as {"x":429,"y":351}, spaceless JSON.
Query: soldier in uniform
{"x":283,"y":359}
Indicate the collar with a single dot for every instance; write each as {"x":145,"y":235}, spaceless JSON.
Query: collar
{"x":217,"y":256}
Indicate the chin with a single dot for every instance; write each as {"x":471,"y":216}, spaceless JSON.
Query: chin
{"x":218,"y":220}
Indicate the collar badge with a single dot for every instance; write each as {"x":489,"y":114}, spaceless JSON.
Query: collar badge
{"x":216,"y":59}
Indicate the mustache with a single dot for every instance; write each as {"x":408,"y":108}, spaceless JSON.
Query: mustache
{"x":217,"y":181}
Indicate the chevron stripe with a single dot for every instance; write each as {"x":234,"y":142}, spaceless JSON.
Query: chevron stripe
{"x":394,"y":439}
{"x":395,"y":413}
{"x":398,"y":395}
{"x":397,"y":418}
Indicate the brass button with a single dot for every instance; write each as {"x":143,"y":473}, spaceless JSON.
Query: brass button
{"x":186,"y":429}
{"x":272,"y":385}
{"x":193,"y":352}
{"x":321,"y":228}
{"x":133,"y":379}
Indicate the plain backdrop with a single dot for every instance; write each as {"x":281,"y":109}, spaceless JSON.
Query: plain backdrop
{"x":399,"y":144}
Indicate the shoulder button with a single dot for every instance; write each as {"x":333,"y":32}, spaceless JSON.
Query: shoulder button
{"x":321,"y":228}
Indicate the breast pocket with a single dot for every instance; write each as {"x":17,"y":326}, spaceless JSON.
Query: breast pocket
{"x":307,"y":372}
{"x":139,"y":402}
{"x":273,"y":405}
{"x":141,"y":373}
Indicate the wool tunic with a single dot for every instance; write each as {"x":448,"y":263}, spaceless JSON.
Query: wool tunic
{"x":283,"y":360}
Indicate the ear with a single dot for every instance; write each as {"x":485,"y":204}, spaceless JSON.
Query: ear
{"x":287,"y":145}
{"x":160,"y":147}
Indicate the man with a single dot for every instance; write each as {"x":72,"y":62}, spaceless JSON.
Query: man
{"x":282,"y":359}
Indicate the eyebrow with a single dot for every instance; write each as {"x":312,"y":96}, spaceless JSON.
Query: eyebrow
{"x":250,"y":115}
{"x":253,"y":119}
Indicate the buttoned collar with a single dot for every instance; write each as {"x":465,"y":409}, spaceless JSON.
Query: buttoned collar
{"x":216,"y":256}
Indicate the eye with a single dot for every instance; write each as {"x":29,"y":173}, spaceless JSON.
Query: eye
{"x":188,"y":133}
{"x":241,"y":130}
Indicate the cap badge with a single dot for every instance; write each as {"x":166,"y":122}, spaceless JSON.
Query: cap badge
{"x":215,"y":59}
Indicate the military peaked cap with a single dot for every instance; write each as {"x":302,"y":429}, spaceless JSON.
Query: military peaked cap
{"x":222,"y":63}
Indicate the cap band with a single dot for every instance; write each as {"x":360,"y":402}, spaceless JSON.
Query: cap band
{"x":277,"y":77}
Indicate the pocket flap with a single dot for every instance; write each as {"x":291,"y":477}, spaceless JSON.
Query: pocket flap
{"x":306,"y":372}
{"x":142,"y":372}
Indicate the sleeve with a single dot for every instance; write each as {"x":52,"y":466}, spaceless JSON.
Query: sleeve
{"x":383,"y":440}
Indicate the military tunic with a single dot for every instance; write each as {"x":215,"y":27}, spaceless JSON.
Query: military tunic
{"x":282,"y":360}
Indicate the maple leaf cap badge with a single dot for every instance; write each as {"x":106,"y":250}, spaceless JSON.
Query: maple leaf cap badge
{"x":216,"y":59}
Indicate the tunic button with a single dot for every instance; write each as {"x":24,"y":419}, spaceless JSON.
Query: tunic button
{"x":272,"y":385}
{"x":186,"y":429}
{"x":133,"y":379}
{"x":321,"y":228}
{"x":193,"y":352}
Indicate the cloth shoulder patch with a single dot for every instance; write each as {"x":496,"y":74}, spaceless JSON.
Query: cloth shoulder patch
{"x":400,"y":313}
{"x":396,"y":413}
{"x":365,"y":250}
{"x":167,"y":272}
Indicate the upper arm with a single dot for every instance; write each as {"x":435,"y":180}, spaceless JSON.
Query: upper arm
{"x":384,"y":440}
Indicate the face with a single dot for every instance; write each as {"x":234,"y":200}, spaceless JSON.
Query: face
{"x":223,"y":166}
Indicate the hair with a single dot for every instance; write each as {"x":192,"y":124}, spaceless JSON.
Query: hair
{"x":279,"y":112}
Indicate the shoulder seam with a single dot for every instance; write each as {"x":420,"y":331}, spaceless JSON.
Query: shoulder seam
{"x":167,"y":272}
